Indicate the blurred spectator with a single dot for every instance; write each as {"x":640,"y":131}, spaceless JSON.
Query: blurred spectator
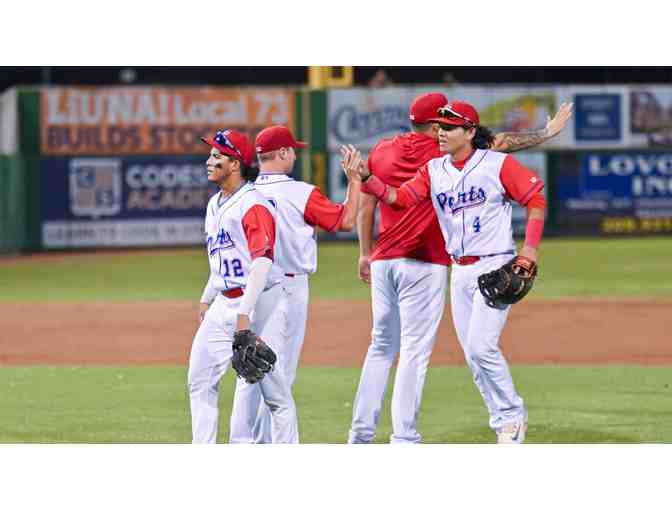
{"x":449,"y":79}
{"x":128,"y":75}
{"x":380,"y":79}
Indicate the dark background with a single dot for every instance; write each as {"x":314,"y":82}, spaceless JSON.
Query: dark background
{"x":297,"y":75}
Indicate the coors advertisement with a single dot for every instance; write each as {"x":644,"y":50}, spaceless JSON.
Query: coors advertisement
{"x":156,"y":120}
{"x":362,"y":117}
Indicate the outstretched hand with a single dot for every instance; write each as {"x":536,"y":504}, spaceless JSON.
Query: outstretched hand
{"x":352,"y":163}
{"x":559,"y":121}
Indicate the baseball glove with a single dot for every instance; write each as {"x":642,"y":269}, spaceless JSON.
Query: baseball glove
{"x":508,"y":284}
{"x":252,"y":357}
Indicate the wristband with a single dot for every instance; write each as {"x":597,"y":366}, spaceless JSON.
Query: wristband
{"x":374,"y":186}
{"x":533,"y":231}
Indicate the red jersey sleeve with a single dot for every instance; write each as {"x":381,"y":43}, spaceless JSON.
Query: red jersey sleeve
{"x":414,"y":190}
{"x":322,"y":212}
{"x":520,"y":183}
{"x":259,"y":228}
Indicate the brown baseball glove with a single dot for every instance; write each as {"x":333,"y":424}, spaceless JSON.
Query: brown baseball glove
{"x":508,"y":284}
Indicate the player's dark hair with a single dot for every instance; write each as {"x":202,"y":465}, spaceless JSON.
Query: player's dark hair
{"x":483,"y":139}
{"x":249,"y":173}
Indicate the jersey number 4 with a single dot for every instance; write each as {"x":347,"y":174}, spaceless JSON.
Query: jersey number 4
{"x":477,"y":224}
{"x":235,"y":266}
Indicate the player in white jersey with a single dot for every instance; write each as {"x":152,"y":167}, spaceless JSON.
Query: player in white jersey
{"x":300,"y":208}
{"x":471,"y":189}
{"x":244,"y":291}
{"x":408,"y":272}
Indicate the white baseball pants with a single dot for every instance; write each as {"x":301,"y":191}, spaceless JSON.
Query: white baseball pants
{"x":407,"y":298}
{"x":258,"y":430}
{"x":211,"y":354}
{"x":479,"y":328}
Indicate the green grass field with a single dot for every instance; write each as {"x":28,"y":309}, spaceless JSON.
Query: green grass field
{"x":616,"y":404}
{"x":569,"y":268}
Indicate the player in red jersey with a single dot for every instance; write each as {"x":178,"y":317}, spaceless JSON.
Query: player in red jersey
{"x":408,"y":269}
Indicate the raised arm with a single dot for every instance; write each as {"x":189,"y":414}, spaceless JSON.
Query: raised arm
{"x":352,"y":201}
{"x":512,"y":142}
{"x":411,"y":192}
{"x":330,"y":216}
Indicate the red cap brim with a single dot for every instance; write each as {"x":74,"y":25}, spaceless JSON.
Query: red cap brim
{"x":221,"y":148}
{"x":300,"y":144}
{"x":455,"y":121}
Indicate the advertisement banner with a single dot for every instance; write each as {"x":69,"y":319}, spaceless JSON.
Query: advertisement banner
{"x":600,"y":119}
{"x":616,"y":193}
{"x":134,"y":201}
{"x":153,"y":120}
{"x":597,"y":117}
{"x":651,"y":116}
{"x":362,"y":117}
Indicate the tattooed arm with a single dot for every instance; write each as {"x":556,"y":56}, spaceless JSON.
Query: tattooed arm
{"x":512,"y":142}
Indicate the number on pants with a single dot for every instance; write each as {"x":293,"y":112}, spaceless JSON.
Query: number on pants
{"x":477,"y":224}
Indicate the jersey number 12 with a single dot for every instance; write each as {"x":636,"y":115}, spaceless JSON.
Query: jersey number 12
{"x":236,"y":266}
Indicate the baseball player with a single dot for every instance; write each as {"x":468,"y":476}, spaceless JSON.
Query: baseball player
{"x":244,"y":291}
{"x":471,"y":189}
{"x":407,"y":270}
{"x":300,"y":208}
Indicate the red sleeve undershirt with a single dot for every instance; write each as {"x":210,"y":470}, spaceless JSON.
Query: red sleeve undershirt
{"x":413,"y":191}
{"x":322,"y":212}
{"x":259,"y":228}
{"x":520,"y":183}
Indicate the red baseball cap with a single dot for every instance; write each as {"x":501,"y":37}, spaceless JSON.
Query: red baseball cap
{"x":275,"y":137}
{"x":233,"y":143}
{"x":424,"y":107}
{"x":457,"y":113}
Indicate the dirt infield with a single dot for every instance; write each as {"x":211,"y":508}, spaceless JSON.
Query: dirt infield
{"x":566,"y":331}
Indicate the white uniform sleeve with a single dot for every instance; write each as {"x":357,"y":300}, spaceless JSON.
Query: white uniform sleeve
{"x":255,"y":284}
{"x":209,"y":293}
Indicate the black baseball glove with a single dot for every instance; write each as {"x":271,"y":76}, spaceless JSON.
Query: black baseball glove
{"x":252,"y":357}
{"x":508,"y":284}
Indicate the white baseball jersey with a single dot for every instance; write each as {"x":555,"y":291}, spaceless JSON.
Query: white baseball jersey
{"x":300,"y":207}
{"x":473,"y":204}
{"x":234,"y":228}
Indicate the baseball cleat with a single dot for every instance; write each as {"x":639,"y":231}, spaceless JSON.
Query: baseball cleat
{"x":513,"y":433}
